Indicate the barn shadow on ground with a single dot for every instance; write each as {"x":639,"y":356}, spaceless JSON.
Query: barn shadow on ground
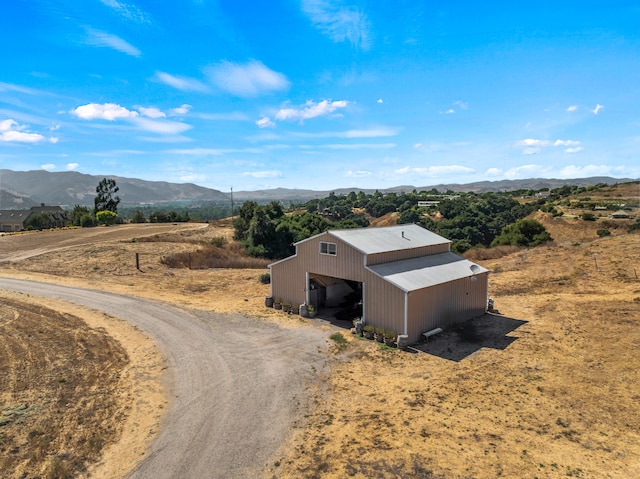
{"x":486,"y":331}
{"x":328,"y":316}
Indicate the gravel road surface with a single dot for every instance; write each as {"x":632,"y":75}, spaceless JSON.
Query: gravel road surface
{"x":235,"y":383}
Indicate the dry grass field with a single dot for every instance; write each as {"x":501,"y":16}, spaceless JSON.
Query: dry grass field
{"x":550,"y":387}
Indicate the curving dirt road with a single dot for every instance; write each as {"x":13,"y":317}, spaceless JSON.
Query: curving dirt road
{"x":235,"y":383}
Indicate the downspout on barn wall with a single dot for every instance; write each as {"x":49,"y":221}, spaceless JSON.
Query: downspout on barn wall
{"x":406,"y":312}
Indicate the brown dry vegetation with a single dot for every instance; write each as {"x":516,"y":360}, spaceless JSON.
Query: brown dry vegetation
{"x":548,"y":388}
{"x":68,"y":390}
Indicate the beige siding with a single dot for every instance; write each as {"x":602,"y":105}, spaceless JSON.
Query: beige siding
{"x":438,"y":306}
{"x":384,"y":304}
{"x":288,"y":277}
{"x":446,"y":304}
{"x":346,"y":264}
{"x":407,"y":254}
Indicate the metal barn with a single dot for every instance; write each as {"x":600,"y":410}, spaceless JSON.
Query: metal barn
{"x":405,"y":276}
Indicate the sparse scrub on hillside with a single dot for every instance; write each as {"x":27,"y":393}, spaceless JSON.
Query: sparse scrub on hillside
{"x":214,"y":257}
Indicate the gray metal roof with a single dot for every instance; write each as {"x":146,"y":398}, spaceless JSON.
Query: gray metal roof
{"x":419,"y":273}
{"x":388,"y":238}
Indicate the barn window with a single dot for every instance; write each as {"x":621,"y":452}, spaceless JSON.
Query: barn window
{"x":327,"y":248}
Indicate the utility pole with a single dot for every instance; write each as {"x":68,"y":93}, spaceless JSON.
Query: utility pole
{"x":232,"y":203}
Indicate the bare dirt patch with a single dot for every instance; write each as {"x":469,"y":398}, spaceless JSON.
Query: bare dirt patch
{"x":67,"y":390}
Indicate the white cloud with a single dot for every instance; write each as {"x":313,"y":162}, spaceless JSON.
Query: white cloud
{"x":263,"y":174}
{"x":311,"y":110}
{"x":163,"y":127}
{"x":574,"y":171}
{"x":129,"y":12}
{"x":265,"y":122}
{"x":231,"y":116}
{"x":493,"y":172}
{"x":213,"y":151}
{"x":12,"y":132}
{"x":246,"y":80}
{"x":53,"y":139}
{"x":526,"y":171}
{"x":597,"y":109}
{"x":566,"y":143}
{"x":532,"y":146}
{"x":368,"y":133}
{"x":180,"y":111}
{"x":358,"y":174}
{"x":105,"y":111}
{"x":449,"y":111}
{"x":462,"y":104}
{"x":359,"y":146}
{"x":72,"y":166}
{"x":192,"y":177}
{"x":379,"y":100}
{"x":574,"y":150}
{"x":48,"y":166}
{"x":20,"y":89}
{"x":572,"y":108}
{"x":180,"y":83}
{"x":99,"y":38}
{"x":152,"y":121}
{"x":437,"y":170}
{"x":151,"y":112}
{"x":6,"y":125}
{"x":338,"y":22}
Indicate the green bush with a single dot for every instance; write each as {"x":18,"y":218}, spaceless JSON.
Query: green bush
{"x":265,"y":278}
{"x":603,"y":232}
{"x":522,"y":233}
{"x":106,"y":217}
{"x":588,"y":217}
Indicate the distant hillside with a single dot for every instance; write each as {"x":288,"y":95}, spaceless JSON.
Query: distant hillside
{"x":22,"y":189}
{"x":284,"y":194}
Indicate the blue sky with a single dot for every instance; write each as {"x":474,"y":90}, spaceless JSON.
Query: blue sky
{"x":321,"y":94}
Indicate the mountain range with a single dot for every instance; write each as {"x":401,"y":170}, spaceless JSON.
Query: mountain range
{"x":23,"y":189}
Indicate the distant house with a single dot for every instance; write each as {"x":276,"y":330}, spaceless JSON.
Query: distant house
{"x":15,"y":220}
{"x":407,"y":278}
{"x":620,"y":214}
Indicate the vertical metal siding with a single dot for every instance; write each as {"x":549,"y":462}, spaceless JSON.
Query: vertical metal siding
{"x":385,"y":304}
{"x":446,"y":304}
{"x":288,"y":277}
{"x":438,"y":306}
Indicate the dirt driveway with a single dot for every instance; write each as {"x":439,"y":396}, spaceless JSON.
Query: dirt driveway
{"x":235,"y":383}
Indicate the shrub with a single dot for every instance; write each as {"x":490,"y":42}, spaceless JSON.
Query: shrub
{"x":603,"y":232}
{"x":523,"y":233}
{"x":265,"y":278}
{"x":219,"y":241}
{"x":588,"y":217}
{"x":106,"y":217}
{"x":87,"y":221}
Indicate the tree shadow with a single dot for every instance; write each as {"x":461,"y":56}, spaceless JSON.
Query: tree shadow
{"x":486,"y":331}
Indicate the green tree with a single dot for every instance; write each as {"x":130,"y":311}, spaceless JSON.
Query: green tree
{"x":106,"y":217}
{"x":106,"y":199}
{"x":77,"y":214}
{"x":522,"y":233}
{"x":87,"y":221}
{"x":39,"y":221}
{"x":138,"y":217}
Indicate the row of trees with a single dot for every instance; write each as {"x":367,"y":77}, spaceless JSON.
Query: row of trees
{"x":469,"y":220}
